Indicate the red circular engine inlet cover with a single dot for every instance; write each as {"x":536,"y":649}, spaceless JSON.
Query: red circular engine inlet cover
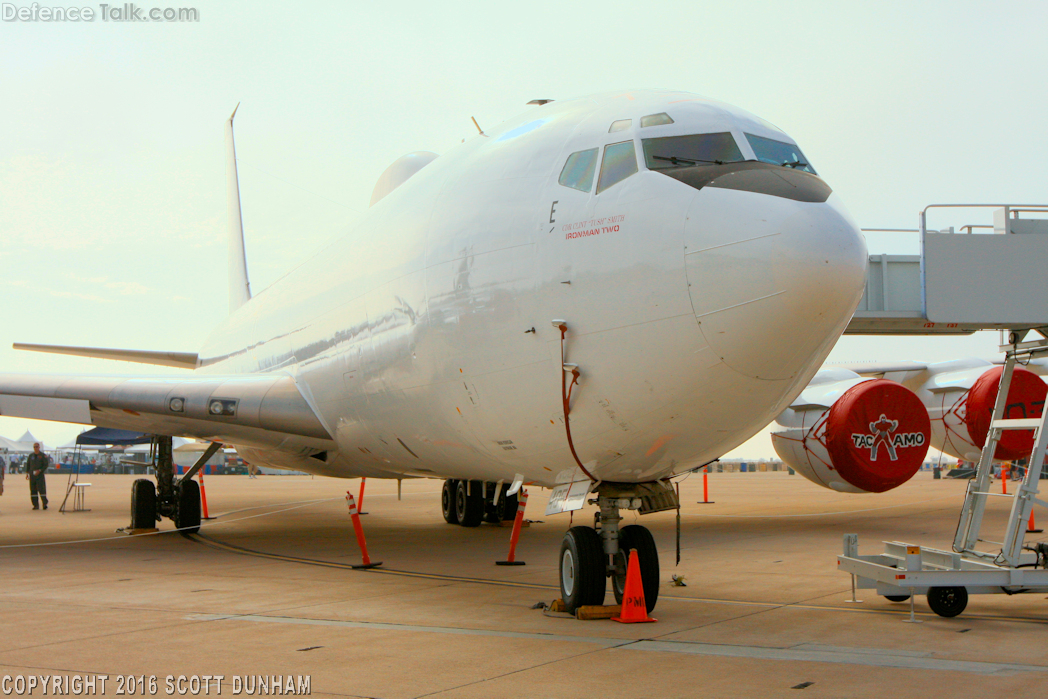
{"x":877,"y":435}
{"x":1025,"y":399}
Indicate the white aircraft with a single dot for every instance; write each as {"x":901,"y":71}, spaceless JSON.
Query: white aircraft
{"x":594,"y":297}
{"x":838,"y":434}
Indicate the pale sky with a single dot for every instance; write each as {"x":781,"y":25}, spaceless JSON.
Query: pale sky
{"x":112,"y":183}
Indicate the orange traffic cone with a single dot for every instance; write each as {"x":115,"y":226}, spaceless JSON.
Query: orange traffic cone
{"x":634,"y":608}
{"x":1031,"y":528}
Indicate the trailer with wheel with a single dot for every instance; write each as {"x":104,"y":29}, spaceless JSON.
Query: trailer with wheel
{"x":947,"y":578}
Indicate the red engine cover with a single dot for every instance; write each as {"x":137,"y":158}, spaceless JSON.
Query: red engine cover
{"x":1025,"y":399}
{"x":877,"y":435}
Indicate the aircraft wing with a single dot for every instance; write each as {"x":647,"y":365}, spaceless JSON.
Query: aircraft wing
{"x":182,"y":360}
{"x":258,"y":410}
{"x":879,"y":369}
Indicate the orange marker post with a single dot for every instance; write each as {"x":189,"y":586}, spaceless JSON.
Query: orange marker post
{"x":705,"y":487}
{"x":518,"y":522}
{"x":203,"y":493}
{"x":359,"y":529}
{"x":360,"y":498}
{"x":1004,"y":480}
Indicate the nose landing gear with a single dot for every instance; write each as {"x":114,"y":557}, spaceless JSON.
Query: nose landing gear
{"x":588,"y":556}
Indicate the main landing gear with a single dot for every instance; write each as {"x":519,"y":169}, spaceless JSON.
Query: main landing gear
{"x":471,"y":502}
{"x":588,"y":556}
{"x":178,"y":500}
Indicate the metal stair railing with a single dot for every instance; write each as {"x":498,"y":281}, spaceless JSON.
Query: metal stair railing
{"x":970,"y":524}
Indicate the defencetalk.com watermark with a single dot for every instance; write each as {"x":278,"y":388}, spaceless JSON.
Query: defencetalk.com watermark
{"x":126,"y":12}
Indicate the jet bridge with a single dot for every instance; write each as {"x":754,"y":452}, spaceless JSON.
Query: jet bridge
{"x":963,"y":280}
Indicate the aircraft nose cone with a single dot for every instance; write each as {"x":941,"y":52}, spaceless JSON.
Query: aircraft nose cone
{"x":773,"y":281}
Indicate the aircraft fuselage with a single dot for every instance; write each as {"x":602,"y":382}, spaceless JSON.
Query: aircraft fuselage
{"x":696,"y":308}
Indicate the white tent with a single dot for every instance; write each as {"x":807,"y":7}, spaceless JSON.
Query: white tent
{"x":31,"y":440}
{"x":17,"y":446}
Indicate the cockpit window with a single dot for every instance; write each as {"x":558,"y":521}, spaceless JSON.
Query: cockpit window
{"x":620,"y":161}
{"x":620,"y":125}
{"x":686,"y":151}
{"x":779,"y":153}
{"x":655,"y":120}
{"x":578,"y":170}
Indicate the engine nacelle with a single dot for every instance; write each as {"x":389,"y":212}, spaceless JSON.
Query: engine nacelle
{"x":960,"y":397}
{"x":854,"y":434}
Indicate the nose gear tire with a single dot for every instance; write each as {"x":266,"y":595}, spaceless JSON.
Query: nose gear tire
{"x":582,"y":568}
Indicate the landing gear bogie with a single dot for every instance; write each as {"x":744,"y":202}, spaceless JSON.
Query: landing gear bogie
{"x":469,"y":503}
{"x":178,"y":500}
{"x":477,"y":503}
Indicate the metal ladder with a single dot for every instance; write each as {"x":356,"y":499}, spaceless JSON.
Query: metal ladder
{"x":970,"y":524}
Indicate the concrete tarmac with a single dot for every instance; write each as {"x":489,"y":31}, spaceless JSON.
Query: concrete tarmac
{"x":266,"y":591}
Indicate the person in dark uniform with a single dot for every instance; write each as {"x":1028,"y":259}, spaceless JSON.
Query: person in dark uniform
{"x":35,"y":468}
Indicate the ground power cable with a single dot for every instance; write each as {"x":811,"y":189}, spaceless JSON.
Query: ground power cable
{"x":125,"y":537}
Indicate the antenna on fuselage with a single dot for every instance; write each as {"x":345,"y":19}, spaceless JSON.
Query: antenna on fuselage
{"x":540,"y":102}
{"x":480,"y":130}
{"x":239,"y":285}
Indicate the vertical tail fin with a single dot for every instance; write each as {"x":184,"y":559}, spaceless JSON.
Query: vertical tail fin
{"x":239,"y":285}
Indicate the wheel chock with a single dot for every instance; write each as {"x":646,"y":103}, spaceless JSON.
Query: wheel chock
{"x":557,"y":606}
{"x":597,"y":611}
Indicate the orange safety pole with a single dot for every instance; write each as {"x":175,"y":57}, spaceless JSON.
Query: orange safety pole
{"x":360,"y":498}
{"x":1004,"y":481}
{"x":518,"y":522}
{"x":706,"y":487}
{"x":203,"y":493}
{"x":355,"y":516}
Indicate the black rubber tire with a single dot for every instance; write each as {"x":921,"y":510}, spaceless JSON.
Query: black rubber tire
{"x":947,"y":601}
{"x":636,"y":537}
{"x":896,"y":598}
{"x":469,"y":508}
{"x":510,"y":508}
{"x":447,"y":501}
{"x":583,"y":570}
{"x":187,"y":514}
{"x":143,"y":504}
{"x":493,"y":511}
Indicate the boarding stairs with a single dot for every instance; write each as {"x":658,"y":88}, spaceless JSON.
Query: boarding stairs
{"x":948,"y":577}
{"x":969,"y":528}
